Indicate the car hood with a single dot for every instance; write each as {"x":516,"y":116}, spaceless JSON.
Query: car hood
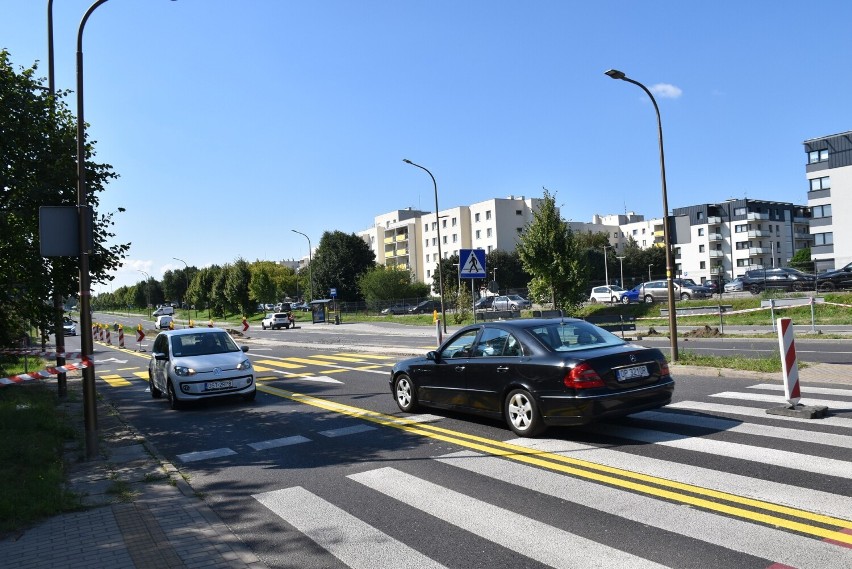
{"x":830,"y":274}
{"x":207,"y":362}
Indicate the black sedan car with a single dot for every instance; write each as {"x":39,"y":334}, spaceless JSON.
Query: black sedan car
{"x":535,"y":373}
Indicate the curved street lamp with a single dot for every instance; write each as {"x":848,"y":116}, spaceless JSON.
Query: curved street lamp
{"x":186,"y":275}
{"x":440,"y":255}
{"x":616,"y":74}
{"x":310,"y":261}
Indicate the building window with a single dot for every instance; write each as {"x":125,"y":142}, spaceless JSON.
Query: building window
{"x":815,"y":156}
{"x":428,"y":273}
{"x":427,"y":258}
{"x":454,"y":222}
{"x":489,"y":248}
{"x":519,"y":230}
{"x":742,"y":245}
{"x":703,"y":265}
{"x":743,"y":228}
{"x":700,"y":231}
{"x":519,"y":212}
{"x":743,"y":262}
{"x":444,"y":223}
{"x":739,"y":211}
{"x":444,"y":238}
{"x":434,"y":225}
{"x":455,"y":238}
{"x":821,"y":183}
{"x":488,"y":232}
{"x":699,"y":216}
{"x":824,"y":238}
{"x":488,"y":214}
{"x":615,"y":234}
{"x":434,"y":242}
{"x":476,"y":217}
{"x":821,"y":211}
{"x":636,"y":232}
{"x":478,"y":234}
{"x":643,"y":231}
{"x":701,"y":248}
{"x":427,"y":242}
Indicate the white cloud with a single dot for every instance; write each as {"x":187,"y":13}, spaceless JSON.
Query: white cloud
{"x":666,"y":91}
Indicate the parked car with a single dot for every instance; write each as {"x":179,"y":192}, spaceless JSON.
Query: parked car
{"x":535,"y":373}
{"x":396,"y":309}
{"x":164,"y":321}
{"x":836,"y":279}
{"x":163,"y":311}
{"x":303,"y":306}
{"x":607,"y":293}
{"x":197,"y":363}
{"x":657,"y":291}
{"x":735,"y":285}
{"x":276,"y":320}
{"x":282,"y":307}
{"x":632,"y":295}
{"x":510,"y":302}
{"x":779,"y":278}
{"x":69,"y":327}
{"x":426,"y":307}
{"x":484,"y":303}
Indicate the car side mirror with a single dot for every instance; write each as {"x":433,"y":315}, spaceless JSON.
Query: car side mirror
{"x":160,"y":357}
{"x":244,"y":348}
{"x":433,"y":355}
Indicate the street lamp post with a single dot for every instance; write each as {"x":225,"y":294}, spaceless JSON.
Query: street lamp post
{"x":186,"y":276}
{"x":621,"y":266}
{"x":615,"y":74}
{"x":147,"y":287}
{"x":440,"y":255}
{"x":649,"y":271}
{"x":606,"y":268}
{"x":310,"y":261}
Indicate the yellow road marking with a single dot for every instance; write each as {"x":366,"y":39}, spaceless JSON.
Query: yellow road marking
{"x":115,"y":380}
{"x":637,"y":482}
{"x":341,"y":358}
{"x":141,"y":374}
{"x":367,"y":356}
{"x":313,"y":361}
{"x":279,"y":363}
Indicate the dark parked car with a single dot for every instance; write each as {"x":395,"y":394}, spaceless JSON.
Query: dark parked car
{"x":535,"y":373}
{"x":484,"y":303}
{"x":781,"y":278}
{"x":426,"y":307}
{"x":834,"y":280}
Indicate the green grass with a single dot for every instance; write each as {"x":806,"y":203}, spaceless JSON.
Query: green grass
{"x":33,"y":432}
{"x":768,"y":365}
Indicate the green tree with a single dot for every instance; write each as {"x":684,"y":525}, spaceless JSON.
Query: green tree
{"x":387,"y":283}
{"x":262,"y":286}
{"x":237,"y":292}
{"x":802,"y":260}
{"x":548,"y":252}
{"x":38,"y":141}
{"x":338,"y":262}
{"x":218,"y":298}
{"x":464,"y":305}
{"x":510,"y":273}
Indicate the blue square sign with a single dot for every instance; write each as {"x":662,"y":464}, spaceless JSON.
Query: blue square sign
{"x":472,"y":264}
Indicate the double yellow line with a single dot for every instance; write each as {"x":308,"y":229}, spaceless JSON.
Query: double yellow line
{"x":793,"y":519}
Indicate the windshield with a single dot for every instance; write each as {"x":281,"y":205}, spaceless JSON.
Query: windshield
{"x":616,"y":288}
{"x":573,"y":335}
{"x":202,"y":343}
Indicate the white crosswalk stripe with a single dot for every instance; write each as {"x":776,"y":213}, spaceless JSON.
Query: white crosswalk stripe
{"x":833,"y":404}
{"x":745,"y":523}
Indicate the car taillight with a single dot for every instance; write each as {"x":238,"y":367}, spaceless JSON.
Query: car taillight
{"x":583,"y":376}
{"x":664,"y":368}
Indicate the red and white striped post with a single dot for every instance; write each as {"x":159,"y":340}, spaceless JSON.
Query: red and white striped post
{"x":121,"y":336}
{"x":789,"y":364}
{"x":108,"y":336}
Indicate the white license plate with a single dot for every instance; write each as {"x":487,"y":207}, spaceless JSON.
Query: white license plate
{"x":210,"y":385}
{"x":629,"y":373}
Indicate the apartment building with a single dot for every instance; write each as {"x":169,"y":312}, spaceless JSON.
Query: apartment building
{"x":829,"y":173}
{"x":410,"y":238}
{"x":734,"y":236}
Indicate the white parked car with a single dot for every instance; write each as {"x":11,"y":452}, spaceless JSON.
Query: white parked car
{"x":164,"y":321}
{"x":198,"y":363}
{"x":276,"y":320}
{"x":608,"y":293}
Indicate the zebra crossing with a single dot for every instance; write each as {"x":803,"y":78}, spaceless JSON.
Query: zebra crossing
{"x":638,"y":484}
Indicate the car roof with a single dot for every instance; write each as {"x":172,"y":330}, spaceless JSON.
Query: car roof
{"x":185,"y":331}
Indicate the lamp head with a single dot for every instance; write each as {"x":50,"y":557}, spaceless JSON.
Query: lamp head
{"x":615,"y":74}
{"x":407,"y":161}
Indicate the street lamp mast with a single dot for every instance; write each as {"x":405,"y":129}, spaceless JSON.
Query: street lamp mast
{"x":310,"y":262}
{"x":186,"y":275}
{"x":606,"y":268}
{"x":616,"y":74}
{"x":440,"y":255}
{"x":621,"y":266}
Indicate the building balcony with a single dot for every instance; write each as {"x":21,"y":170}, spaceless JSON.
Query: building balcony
{"x":757,"y":251}
{"x":402,"y":237}
{"x":714,"y":237}
{"x":716,"y":254}
{"x":805,"y":236}
{"x":658,"y":233}
{"x":758,"y":233}
{"x":801,"y":219}
{"x":401,"y":252}
{"x":714,"y":220}
{"x":755,"y":216}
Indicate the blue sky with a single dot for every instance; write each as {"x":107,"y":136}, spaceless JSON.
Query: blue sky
{"x":233,"y":122}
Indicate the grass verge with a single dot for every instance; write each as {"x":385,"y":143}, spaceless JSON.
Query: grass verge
{"x":768,"y":365}
{"x":33,"y":432}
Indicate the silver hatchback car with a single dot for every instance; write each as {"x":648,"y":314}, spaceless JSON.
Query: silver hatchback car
{"x":197,"y":363}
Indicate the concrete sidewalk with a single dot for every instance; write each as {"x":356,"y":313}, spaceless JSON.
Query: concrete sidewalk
{"x":139,"y":512}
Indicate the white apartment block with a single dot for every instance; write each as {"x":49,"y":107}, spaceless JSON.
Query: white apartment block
{"x":829,"y":173}
{"x":410,"y":239}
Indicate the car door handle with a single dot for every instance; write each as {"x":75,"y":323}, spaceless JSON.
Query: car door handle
{"x":459,"y":368}
{"x":502,"y":369}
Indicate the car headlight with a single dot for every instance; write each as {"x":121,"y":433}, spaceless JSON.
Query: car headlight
{"x":245,"y":364}
{"x":184,"y":371}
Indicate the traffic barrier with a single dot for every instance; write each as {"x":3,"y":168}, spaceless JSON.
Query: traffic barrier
{"x":789,"y":363}
{"x":43,"y":374}
{"x":121,"y":336}
{"x":108,"y":337}
{"x":245,"y":324}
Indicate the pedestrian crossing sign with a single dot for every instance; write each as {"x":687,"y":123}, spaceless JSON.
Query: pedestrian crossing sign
{"x":472,"y":264}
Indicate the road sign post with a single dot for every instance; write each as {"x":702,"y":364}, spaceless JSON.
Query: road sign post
{"x":472,"y":266}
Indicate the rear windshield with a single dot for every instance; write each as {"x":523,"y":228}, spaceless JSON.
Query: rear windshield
{"x":573,"y":335}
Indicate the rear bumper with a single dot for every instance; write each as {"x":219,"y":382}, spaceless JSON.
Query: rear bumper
{"x":572,"y":410}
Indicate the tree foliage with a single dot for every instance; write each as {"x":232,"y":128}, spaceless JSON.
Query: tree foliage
{"x":548,"y":251}
{"x":383,"y":283}
{"x":338,"y":262}
{"x":38,"y":141}
{"x":802,"y":260}
{"x":237,"y":279}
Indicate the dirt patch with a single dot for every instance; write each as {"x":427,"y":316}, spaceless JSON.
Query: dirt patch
{"x":706,"y":332}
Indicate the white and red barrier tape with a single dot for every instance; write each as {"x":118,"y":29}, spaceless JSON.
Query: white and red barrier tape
{"x":43,"y":374}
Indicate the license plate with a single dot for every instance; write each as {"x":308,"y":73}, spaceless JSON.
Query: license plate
{"x":635,"y":372}
{"x":217,"y":385}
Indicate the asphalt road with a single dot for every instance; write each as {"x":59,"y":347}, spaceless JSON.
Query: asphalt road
{"x":322,"y":470}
